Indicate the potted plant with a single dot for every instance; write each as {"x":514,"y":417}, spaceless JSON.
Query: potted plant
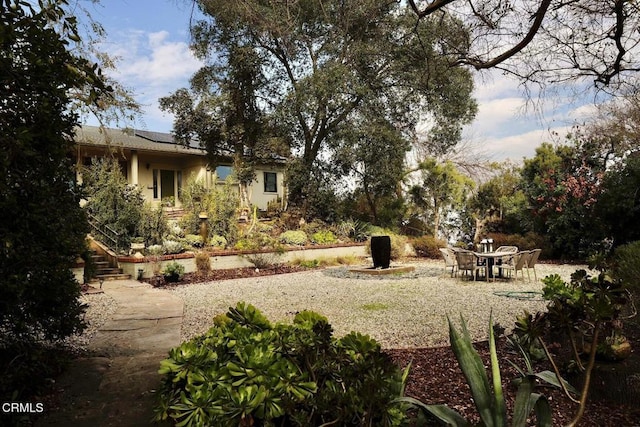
{"x":137,"y":244}
{"x":173,"y":272}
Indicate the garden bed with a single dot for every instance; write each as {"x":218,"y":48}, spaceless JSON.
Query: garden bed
{"x":233,"y":259}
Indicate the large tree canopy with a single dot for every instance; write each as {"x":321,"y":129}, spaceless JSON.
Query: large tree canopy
{"x":326,"y":66}
{"x":42,"y":227}
{"x":548,"y":41}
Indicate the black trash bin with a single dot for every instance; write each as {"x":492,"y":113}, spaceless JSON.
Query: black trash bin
{"x":381,"y":251}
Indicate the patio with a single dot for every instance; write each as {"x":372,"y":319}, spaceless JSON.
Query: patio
{"x":404,"y":310}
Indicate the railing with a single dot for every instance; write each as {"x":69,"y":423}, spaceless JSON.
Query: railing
{"x":105,"y":234}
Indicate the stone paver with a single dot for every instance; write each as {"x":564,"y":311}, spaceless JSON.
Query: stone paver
{"x":116,"y":386}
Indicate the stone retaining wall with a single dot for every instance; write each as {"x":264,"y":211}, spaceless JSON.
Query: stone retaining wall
{"x":232,"y":259}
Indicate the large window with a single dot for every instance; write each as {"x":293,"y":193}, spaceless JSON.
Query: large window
{"x":270,"y":182}
{"x":222,"y":172}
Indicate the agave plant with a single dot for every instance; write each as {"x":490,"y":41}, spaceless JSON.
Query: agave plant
{"x":488,"y":398}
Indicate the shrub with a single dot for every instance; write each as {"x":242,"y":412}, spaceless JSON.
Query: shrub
{"x":626,"y":261}
{"x":525,"y":242}
{"x":155,"y":250}
{"x":203,"y":264}
{"x":173,"y":271}
{"x":153,"y":225}
{"x":218,"y":241}
{"x":176,"y":230}
{"x":219,"y":203}
{"x":283,"y":374}
{"x":428,"y":246}
{"x":313,"y":227}
{"x":263,"y":259}
{"x":323,"y":237}
{"x":256,"y":241}
{"x":172,"y":247}
{"x":356,"y":230}
{"x":294,"y":237}
{"x":111,"y":200}
{"x":194,"y":240}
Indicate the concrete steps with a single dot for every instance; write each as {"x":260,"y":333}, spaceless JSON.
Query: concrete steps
{"x":105,"y":272}
{"x":172,"y":213}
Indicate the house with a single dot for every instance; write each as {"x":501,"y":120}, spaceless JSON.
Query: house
{"x":159,"y":166}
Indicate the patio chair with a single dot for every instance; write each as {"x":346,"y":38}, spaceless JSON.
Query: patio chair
{"x":468,"y":261}
{"x":517,"y":263}
{"x":531,"y":262}
{"x":505,"y":259}
{"x":449,"y":260}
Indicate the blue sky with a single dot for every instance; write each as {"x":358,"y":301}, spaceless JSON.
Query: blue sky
{"x":151,"y":39}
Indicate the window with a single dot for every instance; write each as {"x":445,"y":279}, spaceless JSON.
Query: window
{"x":270,"y":182}
{"x":155,"y":183}
{"x":222,"y":172}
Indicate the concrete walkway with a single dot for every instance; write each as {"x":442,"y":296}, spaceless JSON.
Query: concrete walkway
{"x":116,"y":386}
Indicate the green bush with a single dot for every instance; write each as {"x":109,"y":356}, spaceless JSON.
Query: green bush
{"x":428,"y":246}
{"x":155,"y":250}
{"x":525,"y":242}
{"x":247,"y":371}
{"x":294,"y":237}
{"x":263,"y":259}
{"x":626,"y":262}
{"x":219,"y":203}
{"x":324,"y":237}
{"x":111,"y":200}
{"x":173,"y":271}
{"x":218,"y":241}
{"x":172,"y":247}
{"x":153,"y":225}
{"x":256,"y":241}
{"x":353,"y":229}
{"x":194,"y":240}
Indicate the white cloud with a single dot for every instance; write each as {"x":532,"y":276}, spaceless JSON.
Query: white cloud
{"x":153,"y":59}
{"x":153,"y":65}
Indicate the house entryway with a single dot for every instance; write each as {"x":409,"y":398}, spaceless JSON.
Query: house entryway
{"x":167,"y":184}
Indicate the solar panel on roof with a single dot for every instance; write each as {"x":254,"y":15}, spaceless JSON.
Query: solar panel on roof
{"x":155,"y":136}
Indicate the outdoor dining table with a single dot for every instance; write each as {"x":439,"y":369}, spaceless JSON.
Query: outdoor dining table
{"x":490,"y":258}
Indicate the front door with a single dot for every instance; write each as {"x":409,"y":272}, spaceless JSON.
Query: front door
{"x":167,"y":184}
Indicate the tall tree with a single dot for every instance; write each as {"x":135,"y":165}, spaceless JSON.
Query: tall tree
{"x":548,"y":41}
{"x":499,"y":204}
{"x":323,"y":62}
{"x":42,"y":227}
{"x":442,"y":188}
{"x":221,"y":111}
{"x":563,"y":185}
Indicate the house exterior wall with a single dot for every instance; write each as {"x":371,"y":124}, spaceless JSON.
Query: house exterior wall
{"x":140,"y":166}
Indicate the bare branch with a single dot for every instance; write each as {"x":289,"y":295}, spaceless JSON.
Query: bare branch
{"x":533,"y":30}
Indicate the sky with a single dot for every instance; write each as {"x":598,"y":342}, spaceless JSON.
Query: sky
{"x":151,"y":40}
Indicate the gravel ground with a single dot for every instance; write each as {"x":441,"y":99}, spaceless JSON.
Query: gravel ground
{"x":399,"y":311}
{"x":100,"y":308}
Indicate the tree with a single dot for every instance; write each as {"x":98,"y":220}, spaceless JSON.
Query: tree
{"x":112,"y":201}
{"x":221,"y":112}
{"x":442,"y":188}
{"x":619,"y":204}
{"x":499,"y":204}
{"x":562,"y":185}
{"x":324,"y":64}
{"x":547,"y":41}
{"x":42,"y":226}
{"x":373,"y":154}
